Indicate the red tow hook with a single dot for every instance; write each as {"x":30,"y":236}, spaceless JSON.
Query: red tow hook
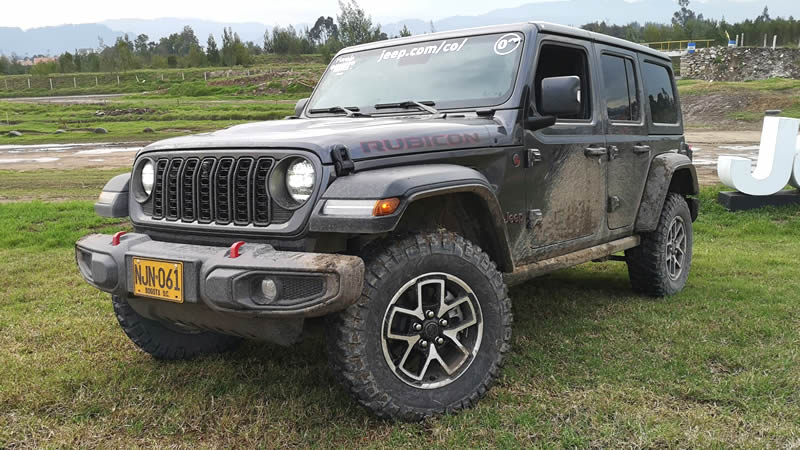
{"x":115,"y":238}
{"x":235,"y":249}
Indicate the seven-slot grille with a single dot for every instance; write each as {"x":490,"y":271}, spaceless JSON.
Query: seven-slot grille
{"x":220,"y":190}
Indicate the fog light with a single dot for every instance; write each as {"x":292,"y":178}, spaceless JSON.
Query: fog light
{"x":269,"y":289}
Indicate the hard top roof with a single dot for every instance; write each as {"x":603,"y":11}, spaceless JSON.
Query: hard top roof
{"x":542,"y":27}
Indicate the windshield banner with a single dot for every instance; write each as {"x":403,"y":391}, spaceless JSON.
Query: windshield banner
{"x":432,"y":49}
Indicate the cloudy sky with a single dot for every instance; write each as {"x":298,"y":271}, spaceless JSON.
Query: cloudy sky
{"x":49,"y":12}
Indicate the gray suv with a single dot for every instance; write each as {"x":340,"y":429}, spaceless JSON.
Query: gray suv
{"x":423,"y":177}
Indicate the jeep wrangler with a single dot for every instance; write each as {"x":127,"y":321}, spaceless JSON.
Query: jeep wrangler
{"x":422,"y":177}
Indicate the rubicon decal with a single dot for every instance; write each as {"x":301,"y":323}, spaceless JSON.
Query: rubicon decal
{"x":432,"y":49}
{"x":418,"y":142}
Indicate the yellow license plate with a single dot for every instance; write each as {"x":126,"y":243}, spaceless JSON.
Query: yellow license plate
{"x":158,"y":279}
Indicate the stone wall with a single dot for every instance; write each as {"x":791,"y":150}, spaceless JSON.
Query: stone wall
{"x":741,"y":64}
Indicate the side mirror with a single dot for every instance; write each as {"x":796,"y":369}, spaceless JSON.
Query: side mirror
{"x":561,"y":96}
{"x":300,"y":106}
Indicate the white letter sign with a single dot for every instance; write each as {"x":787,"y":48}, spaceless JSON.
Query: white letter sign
{"x":776,"y":166}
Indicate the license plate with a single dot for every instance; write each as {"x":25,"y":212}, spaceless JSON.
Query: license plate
{"x":158,"y":279}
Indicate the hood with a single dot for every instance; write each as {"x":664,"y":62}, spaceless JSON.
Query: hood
{"x":364,"y":137}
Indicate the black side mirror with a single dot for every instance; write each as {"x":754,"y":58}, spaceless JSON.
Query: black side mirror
{"x":561,"y":96}
{"x":300,"y":106}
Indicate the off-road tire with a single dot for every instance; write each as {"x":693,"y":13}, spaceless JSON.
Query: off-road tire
{"x":166,"y":343}
{"x":647,"y":263}
{"x":355,"y":336}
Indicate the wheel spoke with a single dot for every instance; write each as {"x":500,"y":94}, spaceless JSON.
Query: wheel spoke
{"x":409,"y":312}
{"x":462,"y":326}
{"x":453,"y":336}
{"x":444,"y":308}
{"x":410,"y":347}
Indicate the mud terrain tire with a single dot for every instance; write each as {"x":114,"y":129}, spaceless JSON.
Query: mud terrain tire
{"x":651,"y":265}
{"x":167,"y":343}
{"x":410,"y":269}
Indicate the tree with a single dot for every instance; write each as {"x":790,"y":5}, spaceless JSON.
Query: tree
{"x":196,"y":57}
{"x":405,"y":32}
{"x":212,"y":52}
{"x":5,"y":65}
{"x":764,"y":17}
{"x":66,"y":63}
{"x":140,"y":45}
{"x":323,"y":30}
{"x":355,"y":26}
{"x":233,"y":50}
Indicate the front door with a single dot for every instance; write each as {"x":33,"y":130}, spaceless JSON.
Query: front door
{"x":627,"y":139}
{"x":566,"y":193}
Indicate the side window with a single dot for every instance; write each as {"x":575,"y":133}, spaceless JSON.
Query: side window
{"x":658,"y":89}
{"x":620,"y":86}
{"x":561,"y":61}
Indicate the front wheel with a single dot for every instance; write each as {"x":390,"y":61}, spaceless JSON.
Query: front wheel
{"x":660,"y":265}
{"x":428,"y":335}
{"x":168,"y":342}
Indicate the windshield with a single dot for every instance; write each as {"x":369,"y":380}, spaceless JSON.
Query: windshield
{"x":470,"y":71}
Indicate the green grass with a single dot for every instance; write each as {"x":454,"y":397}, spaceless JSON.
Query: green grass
{"x":54,"y":185}
{"x":689,"y":87}
{"x":126,"y":118}
{"x":593,"y":365}
{"x":307,"y":67}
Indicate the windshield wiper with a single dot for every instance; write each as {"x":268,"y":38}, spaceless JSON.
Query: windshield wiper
{"x":351,"y":111}
{"x":425,"y":106}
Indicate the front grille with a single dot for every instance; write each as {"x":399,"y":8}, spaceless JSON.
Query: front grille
{"x":222,"y":191}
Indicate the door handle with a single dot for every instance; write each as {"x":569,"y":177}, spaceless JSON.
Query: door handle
{"x":641,"y":149}
{"x":593,"y":152}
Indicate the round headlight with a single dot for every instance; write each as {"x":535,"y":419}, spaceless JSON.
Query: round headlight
{"x":300,"y":180}
{"x":148,"y":177}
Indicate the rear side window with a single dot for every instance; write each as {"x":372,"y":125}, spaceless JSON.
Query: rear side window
{"x":658,"y":89}
{"x":620,"y":85}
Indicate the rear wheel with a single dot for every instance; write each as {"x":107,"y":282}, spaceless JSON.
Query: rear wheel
{"x":660,"y":265}
{"x":429,"y":333}
{"x":168,"y":342}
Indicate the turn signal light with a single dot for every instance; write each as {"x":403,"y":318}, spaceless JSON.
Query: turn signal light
{"x":386,"y":207}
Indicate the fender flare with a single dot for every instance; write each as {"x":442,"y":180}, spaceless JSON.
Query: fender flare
{"x":113,"y":202}
{"x":669,"y":172}
{"x":409,"y":184}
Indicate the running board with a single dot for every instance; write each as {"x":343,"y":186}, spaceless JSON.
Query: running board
{"x":524,"y":273}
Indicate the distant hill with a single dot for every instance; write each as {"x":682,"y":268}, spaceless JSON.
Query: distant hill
{"x":55,"y":40}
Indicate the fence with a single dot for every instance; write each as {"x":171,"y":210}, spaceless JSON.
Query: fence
{"x":666,"y":46}
{"x":146,"y":79}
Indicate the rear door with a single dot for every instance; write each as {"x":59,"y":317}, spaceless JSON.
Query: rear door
{"x":627,"y":141}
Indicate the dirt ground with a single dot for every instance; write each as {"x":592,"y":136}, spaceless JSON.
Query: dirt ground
{"x":68,"y":156}
{"x":708,"y":145}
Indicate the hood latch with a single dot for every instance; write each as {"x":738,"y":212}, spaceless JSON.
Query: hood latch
{"x":342,"y":163}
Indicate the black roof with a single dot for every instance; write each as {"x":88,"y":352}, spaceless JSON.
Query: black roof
{"x":542,"y":27}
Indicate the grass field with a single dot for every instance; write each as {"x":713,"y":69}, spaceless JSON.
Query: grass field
{"x":127,"y":118}
{"x":307,"y":67}
{"x":592,"y":365}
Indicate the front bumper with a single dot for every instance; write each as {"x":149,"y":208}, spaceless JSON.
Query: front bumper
{"x":310,"y":284}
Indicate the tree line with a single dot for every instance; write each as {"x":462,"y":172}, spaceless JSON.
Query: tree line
{"x":354,"y":26}
{"x":686,"y":24}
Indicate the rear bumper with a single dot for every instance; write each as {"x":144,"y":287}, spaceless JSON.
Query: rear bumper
{"x":310,"y":284}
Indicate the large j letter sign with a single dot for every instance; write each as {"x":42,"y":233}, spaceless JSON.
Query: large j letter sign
{"x":778,"y":161}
